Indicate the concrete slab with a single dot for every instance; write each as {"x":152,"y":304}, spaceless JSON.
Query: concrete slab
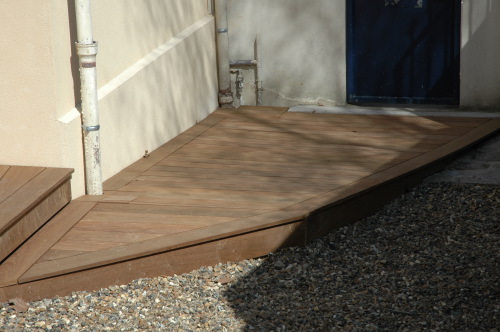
{"x":400,"y":111}
{"x":479,"y":166}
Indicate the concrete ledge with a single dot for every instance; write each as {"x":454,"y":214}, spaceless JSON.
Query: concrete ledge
{"x":407,"y":111}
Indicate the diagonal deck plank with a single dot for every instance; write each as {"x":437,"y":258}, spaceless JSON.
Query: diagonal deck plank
{"x":249,"y":175}
{"x":19,"y":262}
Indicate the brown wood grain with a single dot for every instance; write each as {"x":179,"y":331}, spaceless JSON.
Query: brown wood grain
{"x":171,"y":146}
{"x":34,"y":219}
{"x":40,"y":184}
{"x":14,"y":178}
{"x":3,"y":170}
{"x":41,"y":242}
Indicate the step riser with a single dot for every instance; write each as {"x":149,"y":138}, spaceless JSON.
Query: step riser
{"x":26,"y":226}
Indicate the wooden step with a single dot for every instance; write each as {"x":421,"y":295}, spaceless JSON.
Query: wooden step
{"x":29,"y":197}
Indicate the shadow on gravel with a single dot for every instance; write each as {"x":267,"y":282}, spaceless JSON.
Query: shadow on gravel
{"x":428,"y":261}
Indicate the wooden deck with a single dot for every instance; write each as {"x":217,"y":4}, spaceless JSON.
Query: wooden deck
{"x":239,"y":184}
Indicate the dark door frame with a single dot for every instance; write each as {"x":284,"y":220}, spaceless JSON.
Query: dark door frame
{"x":350,"y":61}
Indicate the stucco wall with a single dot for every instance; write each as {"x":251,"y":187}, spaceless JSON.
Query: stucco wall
{"x":156,"y":71}
{"x":303,"y":50}
{"x":480,"y":58}
{"x":29,"y":131}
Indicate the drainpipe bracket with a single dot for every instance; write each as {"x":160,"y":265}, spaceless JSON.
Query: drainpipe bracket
{"x":222,"y":30}
{"x":83,"y":49}
{"x":91,"y":128}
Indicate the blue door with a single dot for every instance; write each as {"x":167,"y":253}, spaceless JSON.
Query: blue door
{"x":403,"y":51}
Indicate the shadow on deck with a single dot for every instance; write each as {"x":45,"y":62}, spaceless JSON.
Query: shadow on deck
{"x":240,"y":184}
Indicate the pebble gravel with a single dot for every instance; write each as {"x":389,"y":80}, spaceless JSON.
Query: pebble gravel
{"x":429,"y":261}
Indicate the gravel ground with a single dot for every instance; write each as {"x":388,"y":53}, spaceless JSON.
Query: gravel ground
{"x":429,"y":261}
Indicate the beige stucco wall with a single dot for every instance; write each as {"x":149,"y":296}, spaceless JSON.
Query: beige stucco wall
{"x":303,"y":50}
{"x":156,"y":72}
{"x":29,"y":131}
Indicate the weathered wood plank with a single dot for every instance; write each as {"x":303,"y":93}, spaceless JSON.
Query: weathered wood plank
{"x":374,"y":127}
{"x":119,"y":180}
{"x":299,"y":145}
{"x":353,"y":138}
{"x":203,"y":178}
{"x":174,"y":144}
{"x":3,"y":170}
{"x":193,"y":212}
{"x":162,"y":198}
{"x":28,"y":224}
{"x":353,"y":118}
{"x":142,"y":226}
{"x":15,"y":178}
{"x":252,"y":112}
{"x":298,"y":187}
{"x":294,"y":118}
{"x":90,"y":241}
{"x":23,"y":258}
{"x":58,"y":254}
{"x":25,"y":198}
{"x":288,"y":139}
{"x":159,"y":222}
{"x":326,"y":159}
{"x":264,"y":168}
{"x":236,"y":197}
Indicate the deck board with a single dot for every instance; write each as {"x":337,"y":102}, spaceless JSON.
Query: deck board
{"x":256,"y":175}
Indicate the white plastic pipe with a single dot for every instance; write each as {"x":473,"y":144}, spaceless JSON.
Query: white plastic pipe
{"x":225,"y":94}
{"x":86,"y":48}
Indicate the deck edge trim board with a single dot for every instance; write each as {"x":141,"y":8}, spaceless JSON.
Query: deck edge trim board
{"x":158,"y":245}
{"x":27,"y":255}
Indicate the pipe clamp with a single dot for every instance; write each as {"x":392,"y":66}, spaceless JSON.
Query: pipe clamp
{"x":222,"y":30}
{"x":86,"y":49}
{"x":91,"y":128}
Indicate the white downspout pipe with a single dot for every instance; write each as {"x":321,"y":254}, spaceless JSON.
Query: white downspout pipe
{"x":86,"y":48}
{"x":225,"y":94}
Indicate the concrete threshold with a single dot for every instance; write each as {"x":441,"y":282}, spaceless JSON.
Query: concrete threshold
{"x":396,"y":111}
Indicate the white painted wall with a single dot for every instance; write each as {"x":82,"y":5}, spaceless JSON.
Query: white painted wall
{"x":156,"y":70}
{"x":304,"y":50}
